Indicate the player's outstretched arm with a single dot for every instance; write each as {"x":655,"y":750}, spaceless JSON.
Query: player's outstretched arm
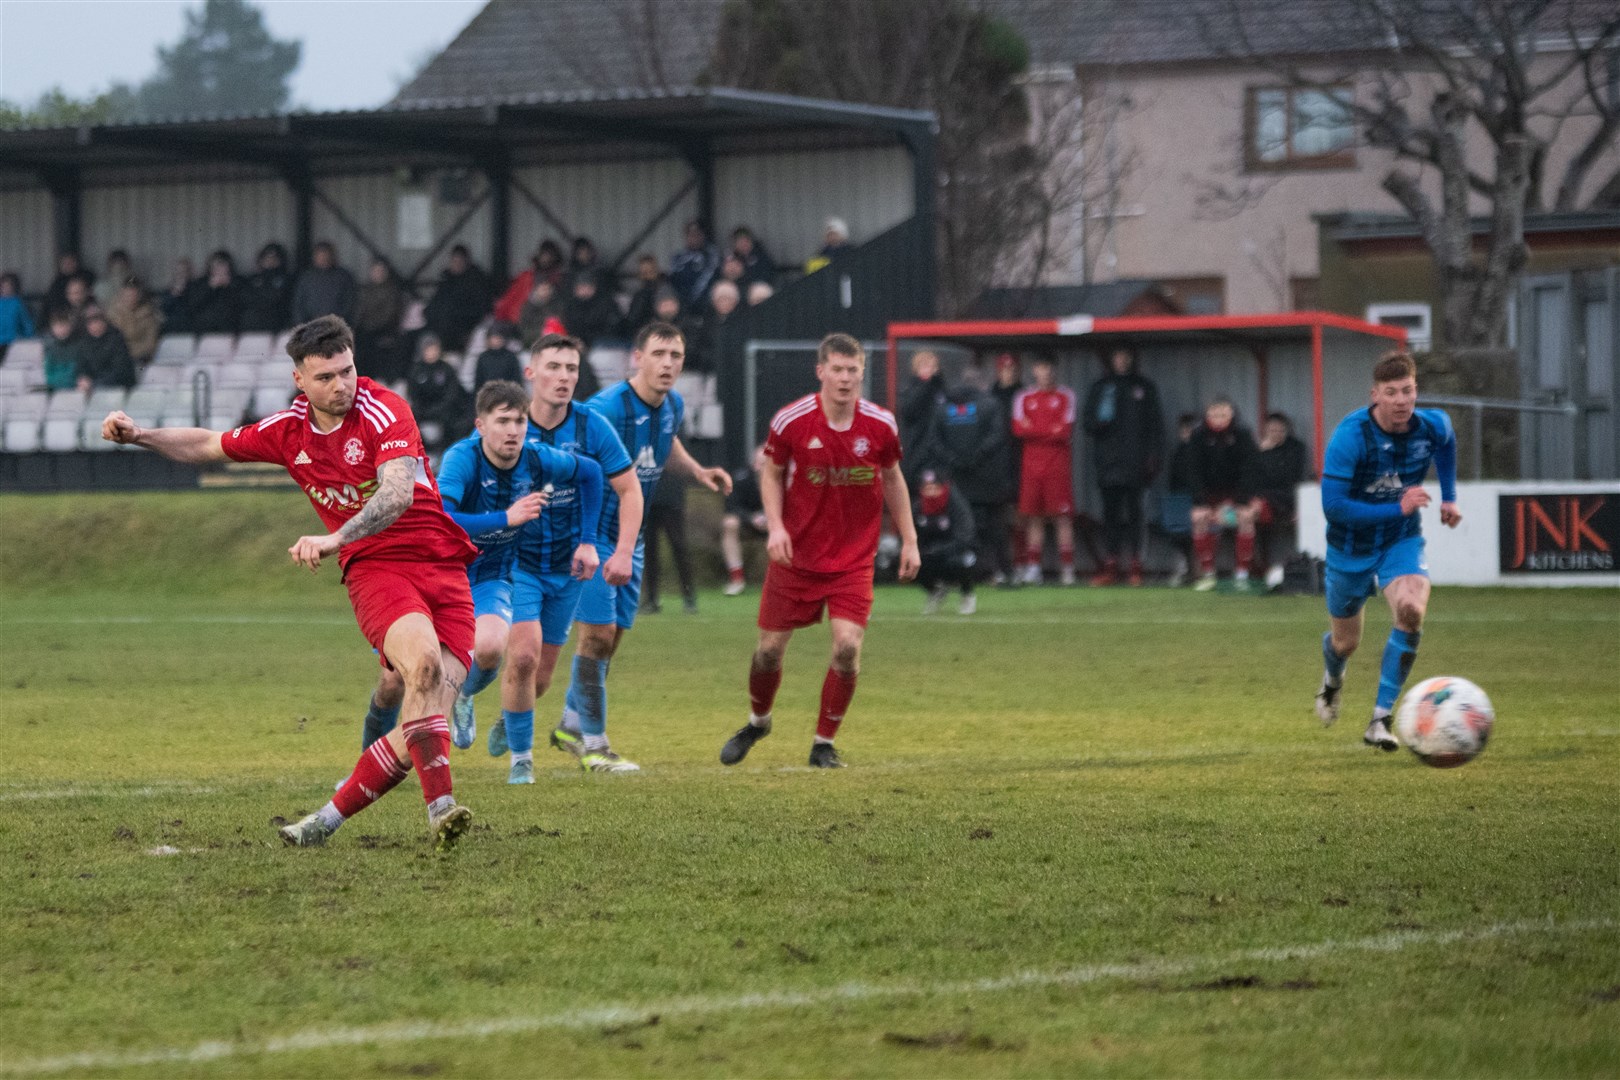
{"x":189,"y":446}
{"x":778,"y":545}
{"x":898,"y":500}
{"x":396,"y":482}
{"x":715,"y":479}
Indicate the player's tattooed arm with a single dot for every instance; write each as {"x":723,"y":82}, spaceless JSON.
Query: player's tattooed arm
{"x":396,"y":487}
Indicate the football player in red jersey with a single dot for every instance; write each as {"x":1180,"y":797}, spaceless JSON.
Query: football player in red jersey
{"x":353,"y":446}
{"x":1043,"y":419}
{"x":830,"y":465}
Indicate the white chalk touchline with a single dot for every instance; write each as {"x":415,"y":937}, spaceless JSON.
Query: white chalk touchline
{"x":704,"y":1005}
{"x":109,"y":791}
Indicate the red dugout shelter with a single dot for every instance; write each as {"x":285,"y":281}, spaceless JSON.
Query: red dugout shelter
{"x":1311,"y":364}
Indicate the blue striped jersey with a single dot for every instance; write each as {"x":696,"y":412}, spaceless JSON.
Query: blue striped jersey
{"x":1366,"y":468}
{"x":472,"y":484}
{"x":648,"y":433}
{"x":546,"y":545}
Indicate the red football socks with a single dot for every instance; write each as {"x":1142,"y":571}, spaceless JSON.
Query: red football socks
{"x":373,"y":777}
{"x":836,"y":691}
{"x":1204,"y":546}
{"x":762,"y":686}
{"x":1066,"y":555}
{"x":428,"y":741}
{"x":1245,"y":550}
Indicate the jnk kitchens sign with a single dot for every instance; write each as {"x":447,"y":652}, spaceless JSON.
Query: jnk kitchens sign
{"x":1566,"y":533}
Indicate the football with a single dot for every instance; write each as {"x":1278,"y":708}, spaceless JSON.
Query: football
{"x":1445,"y":721}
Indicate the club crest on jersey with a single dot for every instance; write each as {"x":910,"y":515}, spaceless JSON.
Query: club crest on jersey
{"x":862,"y":447}
{"x":354,"y":451}
{"x":1418,"y":446}
{"x":1388,"y":484}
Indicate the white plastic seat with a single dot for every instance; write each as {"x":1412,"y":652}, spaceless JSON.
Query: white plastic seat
{"x":215,"y":346}
{"x":20,"y":435}
{"x":238,"y":374}
{"x":254,"y":346}
{"x":269,"y":399}
{"x":65,"y":403}
{"x":706,"y":422}
{"x":145,"y":404}
{"x":175,"y":349}
{"x":90,"y":434}
{"x":279,"y":347}
{"x":161,"y":375}
{"x":26,"y":352}
{"x":104,"y":399}
{"x":13,"y":380}
{"x":60,"y":435}
{"x":610,"y":365}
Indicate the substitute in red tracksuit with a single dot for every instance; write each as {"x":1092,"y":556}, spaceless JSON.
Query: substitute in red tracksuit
{"x":1043,"y":420}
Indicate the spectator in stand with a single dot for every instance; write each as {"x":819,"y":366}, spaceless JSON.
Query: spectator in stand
{"x":15,"y":322}
{"x":704,"y":351}
{"x":138,"y":319}
{"x":972,"y":442}
{"x":1221,"y":462}
{"x":757,"y":262}
{"x":666,"y":513}
{"x":591,"y":314}
{"x":119,"y":270}
{"x":835,"y":238}
{"x":267,"y":292}
{"x":1009,"y":381}
{"x":759,"y":292}
{"x":498,"y":361}
{"x":68,"y":268}
{"x":919,"y":412}
{"x":732,"y":270}
{"x":1279,"y":467}
{"x":177,"y":303}
{"x":460,"y":302}
{"x":649,"y":278}
{"x":544,"y":265}
{"x":1043,"y":419}
{"x":1126,"y":426}
{"x":62,"y":348}
{"x":543,"y":306}
{"x":379,"y":311}
{"x":946,"y":543}
{"x":218,"y":306}
{"x":78,"y":299}
{"x":104,"y":358}
{"x":667,"y":307}
{"x":324,"y":288}
{"x":692,"y":269}
{"x":1178,"y":481}
{"x":443,"y":408}
{"x":584,"y":262}
{"x":745,"y":510}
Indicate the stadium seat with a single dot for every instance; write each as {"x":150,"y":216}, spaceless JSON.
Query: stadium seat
{"x":269,"y":399}
{"x":60,"y":435}
{"x":279,"y":348}
{"x":104,"y":399}
{"x":469,"y":369}
{"x":175,"y":349}
{"x":226,"y":407}
{"x":177,"y":408}
{"x":254,"y":346}
{"x":65,"y":403}
{"x":215,"y":347}
{"x":610,"y":365}
{"x":13,"y":380}
{"x":90,"y":434}
{"x":26,"y":352}
{"x":242,"y":374}
{"x":708,"y":422}
{"x":162,"y":375}
{"x":24,"y":415}
{"x":145,"y":404}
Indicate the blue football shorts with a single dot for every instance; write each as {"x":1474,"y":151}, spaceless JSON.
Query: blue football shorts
{"x":601,"y":604}
{"x":1351,"y":580}
{"x":549,"y":599}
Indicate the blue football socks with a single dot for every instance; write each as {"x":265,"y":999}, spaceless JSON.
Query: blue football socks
{"x":477,"y":679}
{"x":1332,"y":662}
{"x":1399,"y":653}
{"x":587,"y":694}
{"x":519,"y":730}
{"x":379,"y":722}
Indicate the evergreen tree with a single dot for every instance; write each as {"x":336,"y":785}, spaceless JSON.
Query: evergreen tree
{"x":225,"y":63}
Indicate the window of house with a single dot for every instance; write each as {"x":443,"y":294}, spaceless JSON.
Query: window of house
{"x":1291,"y":127}
{"x":1416,"y":319}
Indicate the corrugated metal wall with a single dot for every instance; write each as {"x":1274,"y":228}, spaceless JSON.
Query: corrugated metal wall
{"x":609,"y":202}
{"x":158,"y":223}
{"x":26,"y":238}
{"x":787,"y":198}
{"x":372,"y":202}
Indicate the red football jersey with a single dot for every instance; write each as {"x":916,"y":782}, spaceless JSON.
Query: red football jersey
{"x":338,"y":471}
{"x":833,"y":505}
{"x":1044,"y":421}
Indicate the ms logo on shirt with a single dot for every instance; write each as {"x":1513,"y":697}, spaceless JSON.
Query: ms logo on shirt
{"x":841,"y":475}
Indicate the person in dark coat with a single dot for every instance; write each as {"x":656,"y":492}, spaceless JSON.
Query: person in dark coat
{"x":649,"y":281}
{"x":1279,"y":467}
{"x":945,"y":541}
{"x":460,"y":302}
{"x":267,"y":292}
{"x":971,"y":441}
{"x":104,"y":358}
{"x":381,"y":348}
{"x":1221,"y":463}
{"x":1177,"y":506}
{"x":591,"y":314}
{"x":179,"y":301}
{"x":68,"y":268}
{"x":666,"y":514}
{"x":443,"y":408}
{"x":757,"y":262}
{"x":1126,"y":426}
{"x":918,"y":413}
{"x":217,"y":308}
{"x":498,"y":361}
{"x":324,"y":288}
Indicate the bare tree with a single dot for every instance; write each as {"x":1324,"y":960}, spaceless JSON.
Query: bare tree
{"x":1517,"y":72}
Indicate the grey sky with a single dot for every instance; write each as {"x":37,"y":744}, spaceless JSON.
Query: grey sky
{"x":355,"y":51}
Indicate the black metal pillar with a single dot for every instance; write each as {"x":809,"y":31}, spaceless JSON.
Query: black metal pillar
{"x":700,"y":156}
{"x":920,"y":140}
{"x":498,"y":173}
{"x":302,"y":185}
{"x":67,"y":209}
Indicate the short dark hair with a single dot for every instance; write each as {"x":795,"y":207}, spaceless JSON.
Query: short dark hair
{"x":658,"y":328}
{"x":500,"y":393}
{"x":558,"y":341}
{"x":1281,"y":418}
{"x":1393,"y":367}
{"x":841,"y":345}
{"x":325,"y":336}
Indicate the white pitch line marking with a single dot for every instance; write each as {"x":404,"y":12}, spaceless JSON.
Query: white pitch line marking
{"x":105,"y":791}
{"x":703,"y":1005}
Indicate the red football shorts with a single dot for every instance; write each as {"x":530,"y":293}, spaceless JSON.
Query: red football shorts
{"x":794,"y":598}
{"x":1046,"y":492}
{"x":382,"y":592}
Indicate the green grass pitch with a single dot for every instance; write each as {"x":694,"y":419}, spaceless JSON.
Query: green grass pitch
{"x":1084,"y":832}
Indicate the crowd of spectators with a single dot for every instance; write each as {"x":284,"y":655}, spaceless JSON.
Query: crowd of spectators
{"x":991,"y":461}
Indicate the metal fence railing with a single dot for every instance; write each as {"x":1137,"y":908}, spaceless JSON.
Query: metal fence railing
{"x":1475,"y":443}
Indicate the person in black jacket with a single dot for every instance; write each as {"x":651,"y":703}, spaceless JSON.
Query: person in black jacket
{"x":443,"y":408}
{"x":972,"y":442}
{"x":1221,"y":460}
{"x":217,"y":307}
{"x":104,"y":358}
{"x":460,"y":302}
{"x":1123,"y":418}
{"x":267,"y":292}
{"x":920,"y":401}
{"x":945,"y":540}
{"x":1279,"y":467}
{"x":498,"y":361}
